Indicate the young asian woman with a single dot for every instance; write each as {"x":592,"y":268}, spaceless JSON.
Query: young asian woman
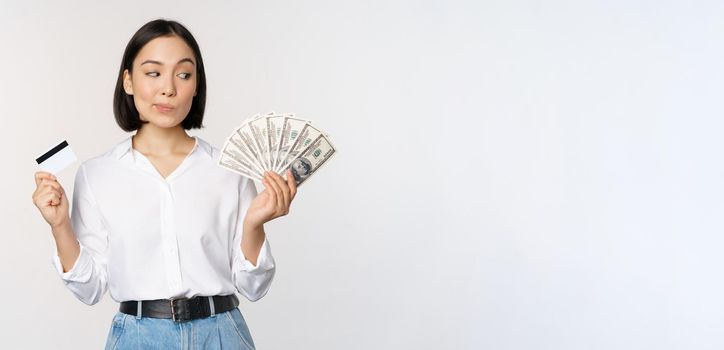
{"x":155,"y":222}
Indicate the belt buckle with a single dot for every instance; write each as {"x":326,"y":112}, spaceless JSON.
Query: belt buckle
{"x":185,"y":312}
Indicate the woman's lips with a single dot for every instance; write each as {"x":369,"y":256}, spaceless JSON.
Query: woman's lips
{"x":162,"y":107}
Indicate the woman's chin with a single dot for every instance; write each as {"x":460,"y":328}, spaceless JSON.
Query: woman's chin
{"x":162,"y":120}
{"x":165,"y":123}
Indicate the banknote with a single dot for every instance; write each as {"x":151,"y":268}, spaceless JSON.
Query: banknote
{"x":247,"y":140}
{"x":311,"y":159}
{"x":228,"y":162}
{"x":304,"y":137}
{"x":275,"y":124}
{"x":276,"y":142}
{"x":259,"y":131}
{"x":236,"y":146}
{"x":230,"y":150}
{"x":291,"y":127}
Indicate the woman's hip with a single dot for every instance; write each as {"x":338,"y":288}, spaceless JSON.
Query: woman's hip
{"x":226,"y":330}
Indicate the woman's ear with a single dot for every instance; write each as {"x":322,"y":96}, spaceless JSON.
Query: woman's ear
{"x":127,"y":83}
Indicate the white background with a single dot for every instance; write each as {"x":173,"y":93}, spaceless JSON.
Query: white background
{"x":509,"y":175}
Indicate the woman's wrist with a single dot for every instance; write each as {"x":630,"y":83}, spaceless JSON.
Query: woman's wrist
{"x":62,"y":228}
{"x":252,"y":226}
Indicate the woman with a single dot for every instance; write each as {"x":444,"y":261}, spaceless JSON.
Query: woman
{"x":155,"y":221}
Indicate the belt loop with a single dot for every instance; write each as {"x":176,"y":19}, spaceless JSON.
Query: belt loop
{"x":211,"y":306}
{"x":139,"y":310}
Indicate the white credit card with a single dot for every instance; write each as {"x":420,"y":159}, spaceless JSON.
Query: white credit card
{"x":57,"y":158}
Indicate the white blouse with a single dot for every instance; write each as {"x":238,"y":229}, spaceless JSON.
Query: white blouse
{"x":145,"y":237}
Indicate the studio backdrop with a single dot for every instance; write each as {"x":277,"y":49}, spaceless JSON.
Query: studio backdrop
{"x":509,"y":174}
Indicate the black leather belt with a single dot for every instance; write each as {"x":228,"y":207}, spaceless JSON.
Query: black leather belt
{"x":180,"y":310}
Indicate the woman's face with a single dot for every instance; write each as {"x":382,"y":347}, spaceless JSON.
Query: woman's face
{"x":163,"y":81}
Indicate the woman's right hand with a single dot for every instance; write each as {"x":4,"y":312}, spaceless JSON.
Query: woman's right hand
{"x":50,"y":199}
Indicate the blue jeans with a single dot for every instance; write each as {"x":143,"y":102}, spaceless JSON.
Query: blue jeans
{"x":226,"y":330}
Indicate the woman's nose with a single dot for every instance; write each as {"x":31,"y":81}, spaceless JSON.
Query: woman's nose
{"x":168,"y":89}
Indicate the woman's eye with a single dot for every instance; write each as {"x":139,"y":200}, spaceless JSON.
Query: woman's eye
{"x":184,"y":75}
{"x":152,"y":74}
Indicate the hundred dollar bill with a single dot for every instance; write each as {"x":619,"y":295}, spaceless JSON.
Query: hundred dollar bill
{"x":276,"y":142}
{"x":230,"y":149}
{"x":275,"y":124}
{"x":311,"y":159}
{"x":308,"y":134}
{"x":247,"y":140}
{"x":238,"y":149}
{"x":260,"y":131}
{"x":290,"y":131}
{"x":229,"y":163}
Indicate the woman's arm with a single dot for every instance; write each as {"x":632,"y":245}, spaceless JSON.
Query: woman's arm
{"x":52,"y":201}
{"x":66,"y":244}
{"x":268,"y":205}
{"x":80,"y":238}
{"x":253,"y":263}
{"x":251,"y":241}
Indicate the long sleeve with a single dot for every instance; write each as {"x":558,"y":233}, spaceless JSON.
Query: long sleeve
{"x":251,"y":281}
{"x":87,"y":279}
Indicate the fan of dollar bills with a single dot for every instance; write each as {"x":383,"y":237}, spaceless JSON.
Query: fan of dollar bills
{"x":276,"y":142}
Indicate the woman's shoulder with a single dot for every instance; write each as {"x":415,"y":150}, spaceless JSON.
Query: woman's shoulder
{"x":207,"y":147}
{"x":116,"y":152}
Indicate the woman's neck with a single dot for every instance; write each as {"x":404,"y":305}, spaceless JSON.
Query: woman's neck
{"x":152,"y":140}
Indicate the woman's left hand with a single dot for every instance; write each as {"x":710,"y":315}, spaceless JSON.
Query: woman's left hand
{"x":274,"y":201}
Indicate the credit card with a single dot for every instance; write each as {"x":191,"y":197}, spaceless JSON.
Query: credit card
{"x":57,"y":158}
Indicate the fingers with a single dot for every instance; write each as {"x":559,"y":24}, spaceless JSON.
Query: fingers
{"x":279,"y":193}
{"x":46,"y":184}
{"x":48,"y":191}
{"x":51,"y":198}
{"x":40,"y":175}
{"x":52,"y":184}
{"x":54,"y":198}
{"x":286,"y":192}
{"x":268,"y":187}
{"x":292,"y":184}
{"x":52,"y":193}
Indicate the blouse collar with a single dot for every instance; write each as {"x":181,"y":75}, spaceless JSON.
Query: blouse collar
{"x":125,"y":146}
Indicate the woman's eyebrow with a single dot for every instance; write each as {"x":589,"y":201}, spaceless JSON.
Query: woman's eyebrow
{"x":186,"y":59}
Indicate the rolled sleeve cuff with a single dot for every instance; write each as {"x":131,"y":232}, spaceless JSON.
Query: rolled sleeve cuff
{"x":264,"y":263}
{"x":80,"y":272}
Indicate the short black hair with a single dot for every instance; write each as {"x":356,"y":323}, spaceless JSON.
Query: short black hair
{"x":123,"y":107}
